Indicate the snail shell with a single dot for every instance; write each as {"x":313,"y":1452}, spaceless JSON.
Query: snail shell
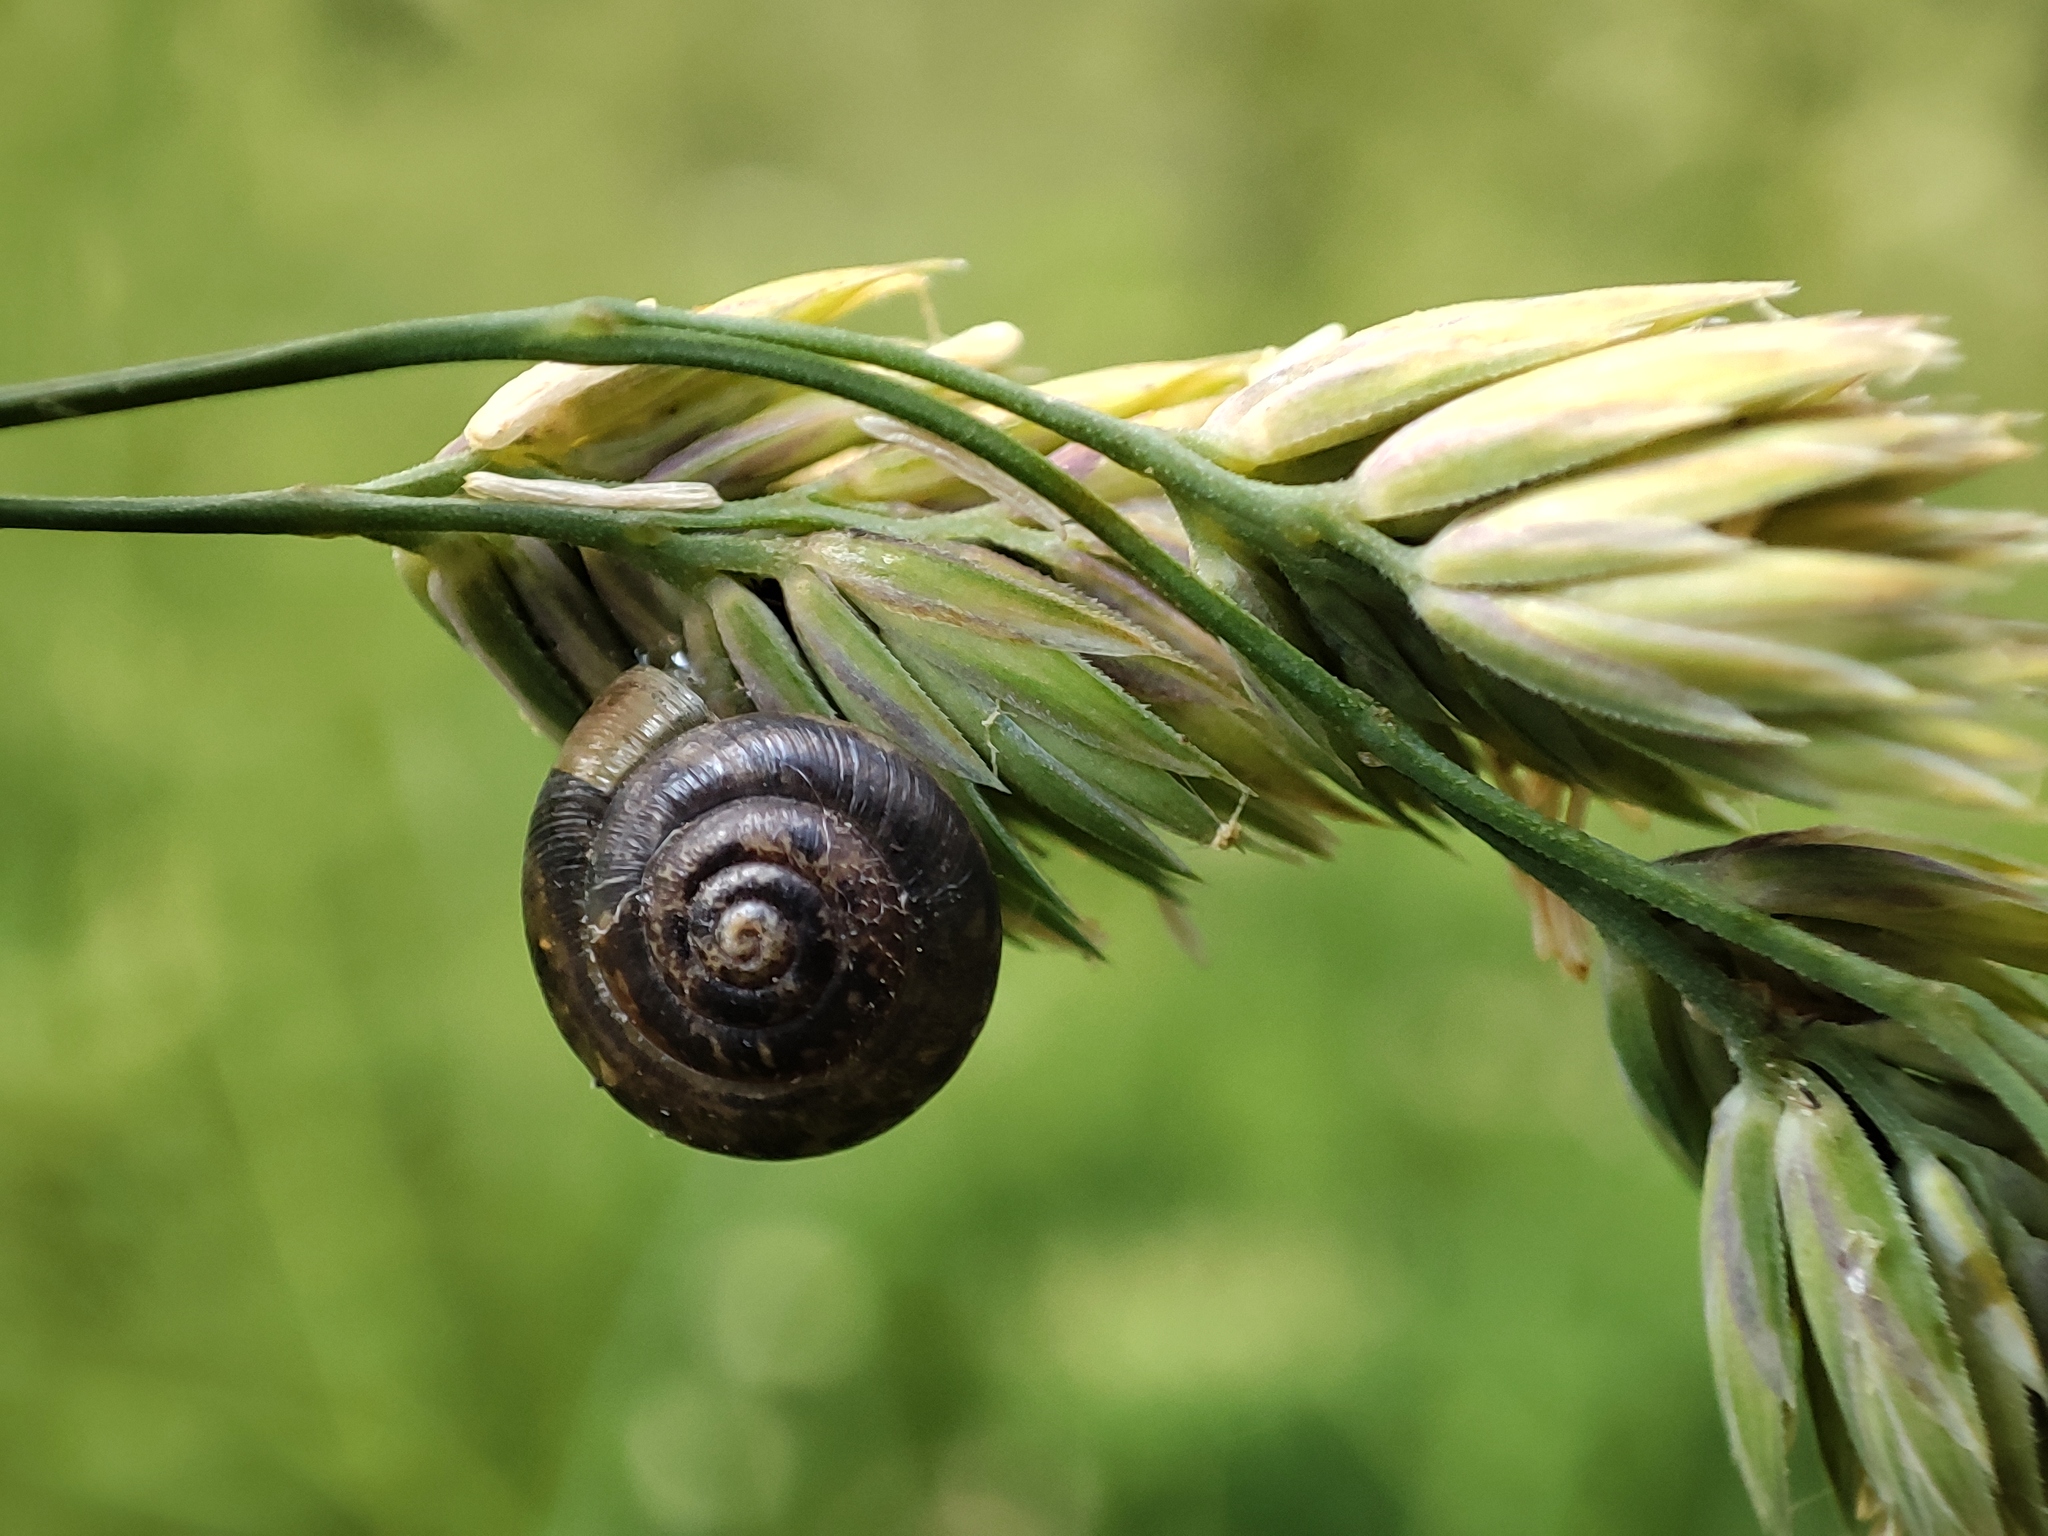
{"x":770,"y":936}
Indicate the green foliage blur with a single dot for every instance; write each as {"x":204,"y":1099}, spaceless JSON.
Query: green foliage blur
{"x":309,"y":1223}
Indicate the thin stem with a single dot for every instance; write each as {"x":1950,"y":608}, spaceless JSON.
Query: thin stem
{"x":436,"y":477}
{"x":312,"y":511}
{"x":1741,"y":1021}
{"x":612,"y":331}
{"x":331,"y":511}
{"x":461,"y":338}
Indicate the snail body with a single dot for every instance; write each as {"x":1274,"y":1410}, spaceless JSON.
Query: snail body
{"x":769,"y":935}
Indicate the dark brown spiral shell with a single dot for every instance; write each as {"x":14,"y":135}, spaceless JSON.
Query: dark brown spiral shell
{"x":770,"y":936}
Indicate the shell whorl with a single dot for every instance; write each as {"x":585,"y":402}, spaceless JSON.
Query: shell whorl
{"x":770,"y":936}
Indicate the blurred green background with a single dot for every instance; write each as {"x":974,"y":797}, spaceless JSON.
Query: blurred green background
{"x":308,"y":1222}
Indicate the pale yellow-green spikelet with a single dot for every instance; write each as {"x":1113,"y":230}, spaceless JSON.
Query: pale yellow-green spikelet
{"x":1997,"y":1341}
{"x":891,"y":473}
{"x":1876,"y":765}
{"x":532,"y":490}
{"x":1914,"y":530}
{"x":1751,"y":1330}
{"x":1748,"y":670}
{"x":1501,"y":637}
{"x":1998,"y":666}
{"x":817,"y":298}
{"x":1878,"y":1322}
{"x":613,"y":422}
{"x":1329,"y":390}
{"x":1765,"y":586}
{"x":1651,"y":513}
{"x":1980,"y":1297}
{"x":796,"y":433}
{"x":1602,"y":404}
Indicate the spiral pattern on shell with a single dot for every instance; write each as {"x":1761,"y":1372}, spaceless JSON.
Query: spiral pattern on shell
{"x":770,"y":936}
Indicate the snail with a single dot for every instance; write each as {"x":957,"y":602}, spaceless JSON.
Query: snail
{"x":767,"y":935}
